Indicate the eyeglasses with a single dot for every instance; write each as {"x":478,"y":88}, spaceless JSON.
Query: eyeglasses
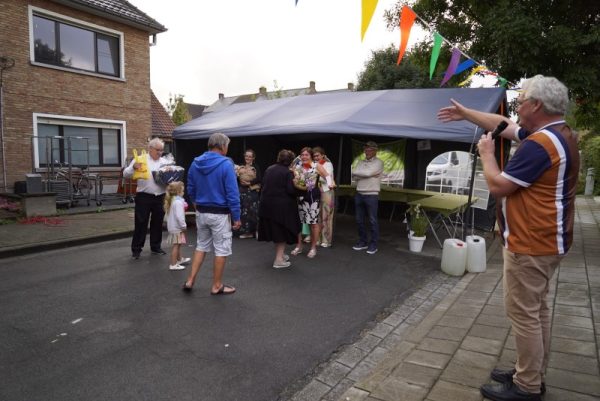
{"x":158,"y":150}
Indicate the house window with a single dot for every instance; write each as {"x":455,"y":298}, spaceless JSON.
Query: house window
{"x":95,"y":145}
{"x":66,"y":44}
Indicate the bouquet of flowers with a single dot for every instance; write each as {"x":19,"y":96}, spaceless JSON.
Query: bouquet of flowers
{"x":167,"y":174}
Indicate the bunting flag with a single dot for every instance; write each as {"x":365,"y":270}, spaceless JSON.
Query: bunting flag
{"x":368,"y":8}
{"x":435,"y":52}
{"x":454,"y":59}
{"x":502,"y":82}
{"x":465,"y":65}
{"x":407,"y":19}
{"x":474,"y":71}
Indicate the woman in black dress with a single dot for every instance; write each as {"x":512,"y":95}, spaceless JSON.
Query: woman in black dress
{"x":279,"y":221}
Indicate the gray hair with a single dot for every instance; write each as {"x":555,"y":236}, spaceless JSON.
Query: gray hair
{"x":156,"y":143}
{"x":550,"y":91}
{"x":219,"y":141}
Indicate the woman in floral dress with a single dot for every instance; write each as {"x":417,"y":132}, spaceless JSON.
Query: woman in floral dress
{"x":306,"y":180}
{"x":249,"y":179}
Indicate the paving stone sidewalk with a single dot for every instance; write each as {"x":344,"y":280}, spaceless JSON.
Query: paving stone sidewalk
{"x":443,"y":341}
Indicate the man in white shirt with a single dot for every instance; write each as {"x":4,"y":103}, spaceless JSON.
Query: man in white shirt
{"x":367,"y":175}
{"x":149,"y":200}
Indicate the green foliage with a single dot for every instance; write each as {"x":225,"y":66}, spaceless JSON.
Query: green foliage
{"x":178,"y":110}
{"x":590,"y":152}
{"x":418,"y":221}
{"x":523,"y":38}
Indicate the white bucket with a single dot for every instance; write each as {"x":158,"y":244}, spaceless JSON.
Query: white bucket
{"x":454,"y":257}
{"x":476,"y":260}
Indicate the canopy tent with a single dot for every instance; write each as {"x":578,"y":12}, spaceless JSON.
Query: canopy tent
{"x":326,"y":119}
{"x":396,"y":113}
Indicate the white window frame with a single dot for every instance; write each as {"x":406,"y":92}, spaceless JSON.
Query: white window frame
{"x":82,"y":24}
{"x":53,"y":119}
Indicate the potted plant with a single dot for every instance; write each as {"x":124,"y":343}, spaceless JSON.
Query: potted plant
{"x":418,"y":228}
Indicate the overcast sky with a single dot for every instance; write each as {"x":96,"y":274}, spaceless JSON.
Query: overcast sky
{"x":235,"y":46}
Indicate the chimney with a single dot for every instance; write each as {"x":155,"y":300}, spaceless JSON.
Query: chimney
{"x":350,"y":86}
{"x":221,"y":96}
{"x":312,"y":87}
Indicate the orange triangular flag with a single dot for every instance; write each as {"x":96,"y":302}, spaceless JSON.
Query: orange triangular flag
{"x":407,"y":19}
{"x":368,"y":8}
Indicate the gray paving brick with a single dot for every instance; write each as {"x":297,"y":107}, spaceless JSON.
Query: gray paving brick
{"x":423,"y":376}
{"x":463,"y":310}
{"x":381,"y":330}
{"x":508,"y":357}
{"x":447,"y":333}
{"x":491,"y":332}
{"x":579,"y":382}
{"x":557,"y":394}
{"x":426,"y":358}
{"x":354,"y":394}
{"x":573,"y":301}
{"x":483,"y":345}
{"x":333,"y":373}
{"x":575,"y":363}
{"x":494,"y":310}
{"x":313,"y":391}
{"x":335,"y":394}
{"x":575,"y":333}
{"x":576,"y":321}
{"x":491,"y":320}
{"x":438,"y":345}
{"x":394,"y":319}
{"x":573,"y":346}
{"x":351,"y":356}
{"x":456,"y":321}
{"x":394,"y":389}
{"x":368,"y":342}
{"x":390,"y":341}
{"x":573,"y":310}
{"x":447,"y":391}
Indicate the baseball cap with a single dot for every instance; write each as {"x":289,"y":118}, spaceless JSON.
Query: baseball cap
{"x":371,"y":144}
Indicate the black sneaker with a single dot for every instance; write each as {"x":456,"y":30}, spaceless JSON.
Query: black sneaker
{"x":158,"y":252}
{"x":506,"y":376}
{"x":135,"y":255}
{"x":360,"y":246}
{"x":507,"y":392}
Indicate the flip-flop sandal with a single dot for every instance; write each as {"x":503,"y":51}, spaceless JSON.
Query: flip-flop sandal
{"x":222,"y":290}
{"x":312,"y":253}
{"x":296,"y":251}
{"x":185,"y":288}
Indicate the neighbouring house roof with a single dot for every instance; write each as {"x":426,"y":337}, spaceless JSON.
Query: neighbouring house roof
{"x":117,"y":10}
{"x":195,"y":110}
{"x":263,"y":94}
{"x":162,"y":125}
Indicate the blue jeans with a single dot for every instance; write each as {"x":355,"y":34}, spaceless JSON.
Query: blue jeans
{"x":366,"y":206}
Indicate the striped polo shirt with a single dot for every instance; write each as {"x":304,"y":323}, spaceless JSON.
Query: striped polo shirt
{"x":537,"y":219}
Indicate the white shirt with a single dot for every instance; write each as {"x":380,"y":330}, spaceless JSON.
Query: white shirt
{"x":148,"y":186}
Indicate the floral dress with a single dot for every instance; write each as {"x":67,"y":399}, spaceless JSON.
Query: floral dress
{"x":306,"y":180}
{"x":249,"y":198}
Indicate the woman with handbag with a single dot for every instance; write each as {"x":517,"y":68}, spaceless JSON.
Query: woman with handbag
{"x":249,"y":179}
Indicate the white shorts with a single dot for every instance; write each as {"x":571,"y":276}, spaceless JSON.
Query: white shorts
{"x":214,"y":230}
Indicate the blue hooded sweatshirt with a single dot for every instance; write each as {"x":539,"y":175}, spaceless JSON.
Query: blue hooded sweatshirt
{"x":212,"y":184}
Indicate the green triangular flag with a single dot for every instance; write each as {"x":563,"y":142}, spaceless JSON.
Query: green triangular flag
{"x":435,"y":52}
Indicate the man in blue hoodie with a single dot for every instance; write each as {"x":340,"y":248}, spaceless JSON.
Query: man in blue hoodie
{"x":212,"y":187}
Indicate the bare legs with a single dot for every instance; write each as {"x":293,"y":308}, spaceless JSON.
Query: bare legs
{"x":218,"y":268}
{"x":279,"y":251}
{"x":175,"y":254}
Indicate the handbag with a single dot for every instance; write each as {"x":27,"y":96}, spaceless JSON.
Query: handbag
{"x":141,"y":173}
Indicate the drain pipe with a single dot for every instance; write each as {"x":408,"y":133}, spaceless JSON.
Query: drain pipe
{"x":5,"y":64}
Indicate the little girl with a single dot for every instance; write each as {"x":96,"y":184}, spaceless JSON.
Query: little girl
{"x":175,"y":208}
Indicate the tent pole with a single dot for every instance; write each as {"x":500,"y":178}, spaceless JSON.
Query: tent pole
{"x":339,"y":166}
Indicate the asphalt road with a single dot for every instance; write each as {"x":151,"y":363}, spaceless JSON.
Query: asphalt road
{"x":90,"y":323}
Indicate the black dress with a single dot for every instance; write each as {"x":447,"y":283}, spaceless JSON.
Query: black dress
{"x":278,"y":210}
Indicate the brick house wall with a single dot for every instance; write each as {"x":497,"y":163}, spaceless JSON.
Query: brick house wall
{"x":30,"y":89}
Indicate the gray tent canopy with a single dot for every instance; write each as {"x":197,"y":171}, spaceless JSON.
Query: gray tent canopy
{"x":399,"y":113}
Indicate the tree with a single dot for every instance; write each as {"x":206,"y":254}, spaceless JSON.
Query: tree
{"x":178,"y":110}
{"x":522,"y":38}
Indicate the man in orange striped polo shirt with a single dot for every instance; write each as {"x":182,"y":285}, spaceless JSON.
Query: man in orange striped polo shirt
{"x":536,"y":193}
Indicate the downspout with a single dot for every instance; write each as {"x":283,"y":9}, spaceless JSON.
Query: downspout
{"x":5,"y":64}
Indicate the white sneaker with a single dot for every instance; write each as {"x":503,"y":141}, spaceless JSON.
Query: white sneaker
{"x":183,"y":261}
{"x":176,"y":267}
{"x":281,"y":265}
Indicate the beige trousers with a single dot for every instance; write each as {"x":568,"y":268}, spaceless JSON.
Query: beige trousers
{"x":526,"y":283}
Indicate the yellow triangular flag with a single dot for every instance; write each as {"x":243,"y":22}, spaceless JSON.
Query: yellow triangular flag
{"x":368,"y":8}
